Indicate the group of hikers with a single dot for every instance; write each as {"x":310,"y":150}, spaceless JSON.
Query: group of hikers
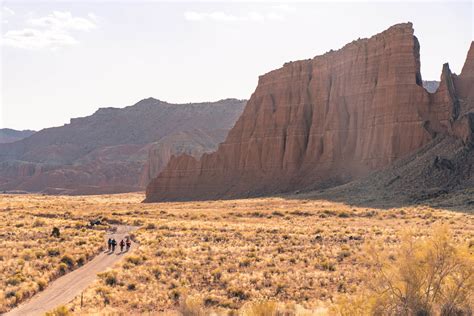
{"x":112,"y":243}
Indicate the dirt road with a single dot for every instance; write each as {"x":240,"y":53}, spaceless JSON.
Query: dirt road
{"x":66,"y":288}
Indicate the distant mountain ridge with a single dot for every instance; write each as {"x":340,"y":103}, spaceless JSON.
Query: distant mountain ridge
{"x":8,"y":135}
{"x":107,"y":152}
{"x":431,"y":85}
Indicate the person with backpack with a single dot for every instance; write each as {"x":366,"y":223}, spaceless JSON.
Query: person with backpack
{"x":122,"y":245}
{"x":114,"y":243}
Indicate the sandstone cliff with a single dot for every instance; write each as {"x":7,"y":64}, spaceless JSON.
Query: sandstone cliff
{"x":108,"y":152}
{"x":194,"y":143}
{"x":322,"y":122}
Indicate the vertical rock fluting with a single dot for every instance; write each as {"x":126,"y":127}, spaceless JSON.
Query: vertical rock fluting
{"x":320,"y":122}
{"x":464,"y":83}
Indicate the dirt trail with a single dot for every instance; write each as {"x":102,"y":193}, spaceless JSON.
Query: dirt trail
{"x":66,"y":288}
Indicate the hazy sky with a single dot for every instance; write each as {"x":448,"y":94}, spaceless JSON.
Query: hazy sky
{"x":65,"y":59}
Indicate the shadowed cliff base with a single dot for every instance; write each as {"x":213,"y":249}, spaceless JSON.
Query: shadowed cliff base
{"x":441,"y":175}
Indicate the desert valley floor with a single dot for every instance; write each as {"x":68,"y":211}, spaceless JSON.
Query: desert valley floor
{"x":303,"y":252}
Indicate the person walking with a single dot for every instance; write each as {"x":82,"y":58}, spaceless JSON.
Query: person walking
{"x":109,"y":244}
{"x":122,"y":245}
{"x":114,"y":243}
{"x":128,"y":243}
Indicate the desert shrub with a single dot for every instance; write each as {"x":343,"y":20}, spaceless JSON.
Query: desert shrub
{"x":210,"y":300}
{"x":10,"y":294}
{"x":343,"y":254}
{"x":244,"y":263}
{"x":14,"y":280}
{"x":237,"y":293}
{"x":157,"y":272}
{"x":175,"y":294}
{"x":260,"y":308}
{"x":53,"y":252}
{"x":137,"y":222}
{"x":39,"y":223}
{"x":150,"y":226}
{"x":192,"y":306}
{"x":62,"y":268}
{"x":109,"y":277}
{"x":353,"y":306}
{"x":68,"y":260}
{"x":81,"y":242}
{"x":59,"y":311}
{"x":80,"y":261}
{"x":216,"y":274}
{"x":104,"y":293}
{"x":136,"y":260}
{"x":41,"y":284}
{"x":27,"y":255}
{"x":327,"y":265}
{"x":428,"y":276}
{"x":343,"y":215}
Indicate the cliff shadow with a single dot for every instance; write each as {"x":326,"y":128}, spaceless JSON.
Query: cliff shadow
{"x":461,"y":200}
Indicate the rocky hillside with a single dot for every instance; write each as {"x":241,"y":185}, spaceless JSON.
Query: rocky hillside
{"x":8,"y":135}
{"x":442,"y":172}
{"x":326,"y":121}
{"x":109,"y":151}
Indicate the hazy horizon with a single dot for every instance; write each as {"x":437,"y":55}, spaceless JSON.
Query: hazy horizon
{"x":62,"y":60}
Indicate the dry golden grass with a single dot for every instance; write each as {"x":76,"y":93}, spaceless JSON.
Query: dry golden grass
{"x":194,"y":257}
{"x":29,"y":256}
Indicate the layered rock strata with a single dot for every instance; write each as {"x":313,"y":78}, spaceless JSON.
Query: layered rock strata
{"x":325,"y":121}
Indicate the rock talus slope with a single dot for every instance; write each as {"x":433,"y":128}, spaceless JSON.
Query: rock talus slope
{"x":324,"y":121}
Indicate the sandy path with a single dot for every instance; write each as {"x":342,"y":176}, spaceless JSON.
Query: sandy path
{"x":66,"y":288}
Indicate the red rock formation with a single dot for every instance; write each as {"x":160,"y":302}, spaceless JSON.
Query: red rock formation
{"x":464,"y":83}
{"x":320,"y":122}
{"x":194,"y":143}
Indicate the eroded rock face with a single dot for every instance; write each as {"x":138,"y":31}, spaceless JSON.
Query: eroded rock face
{"x":321,"y":122}
{"x":464,"y":83}
{"x":194,"y":143}
{"x":108,"y":152}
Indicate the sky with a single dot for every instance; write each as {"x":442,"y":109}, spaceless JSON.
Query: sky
{"x":66,"y":59}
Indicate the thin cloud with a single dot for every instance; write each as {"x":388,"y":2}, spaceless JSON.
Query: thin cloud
{"x":53,"y":31}
{"x":6,"y":12}
{"x":38,"y":39}
{"x":63,"y":21}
